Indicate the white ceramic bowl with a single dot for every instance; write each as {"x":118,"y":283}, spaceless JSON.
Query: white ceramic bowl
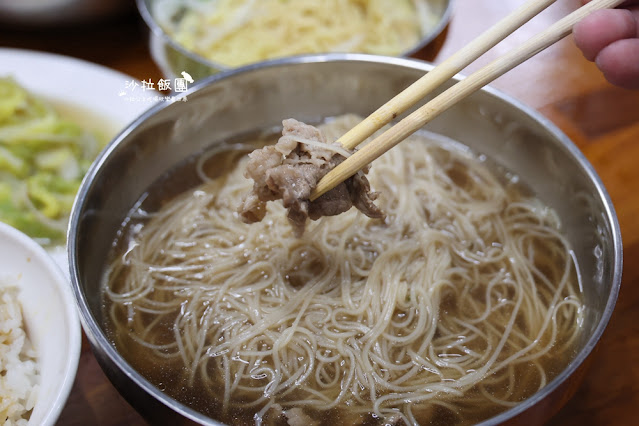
{"x":50,"y":316}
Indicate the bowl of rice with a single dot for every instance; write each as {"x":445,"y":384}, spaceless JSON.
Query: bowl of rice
{"x":201,"y":38}
{"x":40,"y":336}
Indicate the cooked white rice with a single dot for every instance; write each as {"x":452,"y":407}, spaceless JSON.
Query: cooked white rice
{"x":19,"y":372}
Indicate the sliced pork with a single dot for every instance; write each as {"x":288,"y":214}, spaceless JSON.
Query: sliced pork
{"x":290,"y":170}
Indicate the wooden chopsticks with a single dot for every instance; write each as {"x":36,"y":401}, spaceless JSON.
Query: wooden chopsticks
{"x":459,"y":91}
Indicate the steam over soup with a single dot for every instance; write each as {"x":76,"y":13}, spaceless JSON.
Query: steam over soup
{"x":460,"y":303}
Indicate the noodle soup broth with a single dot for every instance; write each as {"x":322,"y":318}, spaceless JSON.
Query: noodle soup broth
{"x":462,"y":303}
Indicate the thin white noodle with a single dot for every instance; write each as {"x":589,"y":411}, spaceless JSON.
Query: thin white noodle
{"x":459,"y":302}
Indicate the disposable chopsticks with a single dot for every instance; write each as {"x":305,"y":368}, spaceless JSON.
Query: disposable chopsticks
{"x":459,"y":91}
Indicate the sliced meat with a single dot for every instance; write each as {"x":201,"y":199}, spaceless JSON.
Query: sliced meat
{"x":252,"y":208}
{"x":360,"y":193}
{"x":291,"y":169}
{"x":331,"y":204}
{"x":259,"y":164}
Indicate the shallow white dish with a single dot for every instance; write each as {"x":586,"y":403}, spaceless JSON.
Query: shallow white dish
{"x":50,"y":318}
{"x":97,"y":97}
{"x":89,"y":87}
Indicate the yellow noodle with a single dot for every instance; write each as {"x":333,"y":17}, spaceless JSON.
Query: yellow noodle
{"x":238,"y":32}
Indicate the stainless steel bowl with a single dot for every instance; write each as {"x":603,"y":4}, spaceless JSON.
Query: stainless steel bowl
{"x":259,"y":97}
{"x":172,"y":58}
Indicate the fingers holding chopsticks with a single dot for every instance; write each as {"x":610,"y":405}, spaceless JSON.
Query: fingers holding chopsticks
{"x":610,"y":38}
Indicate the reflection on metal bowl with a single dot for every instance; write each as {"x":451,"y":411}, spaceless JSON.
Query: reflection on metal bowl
{"x":259,"y":97}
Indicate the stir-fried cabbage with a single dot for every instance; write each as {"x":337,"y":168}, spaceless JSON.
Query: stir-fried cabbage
{"x":43,"y":158}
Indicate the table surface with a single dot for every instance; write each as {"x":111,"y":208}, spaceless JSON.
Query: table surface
{"x":601,"y":119}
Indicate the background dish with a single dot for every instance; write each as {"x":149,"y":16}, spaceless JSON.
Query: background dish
{"x":50,"y":318}
{"x":172,"y":58}
{"x":91,"y":95}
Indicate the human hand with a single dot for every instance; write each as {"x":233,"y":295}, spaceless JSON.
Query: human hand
{"x":610,"y":38}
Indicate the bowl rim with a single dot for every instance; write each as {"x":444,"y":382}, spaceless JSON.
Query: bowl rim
{"x":63,"y":286}
{"x":99,"y":339}
{"x":159,"y":32}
